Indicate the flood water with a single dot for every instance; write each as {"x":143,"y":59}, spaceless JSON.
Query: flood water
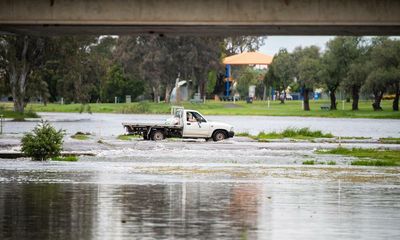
{"x":120,"y":198}
{"x":110,"y":124}
{"x":200,"y":190}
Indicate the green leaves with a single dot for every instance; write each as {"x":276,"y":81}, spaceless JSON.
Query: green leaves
{"x":43,"y":142}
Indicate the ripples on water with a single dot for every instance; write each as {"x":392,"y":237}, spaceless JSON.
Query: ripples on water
{"x":95,"y":199}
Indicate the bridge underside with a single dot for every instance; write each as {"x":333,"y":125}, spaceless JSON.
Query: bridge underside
{"x":210,"y":30}
{"x":201,"y":17}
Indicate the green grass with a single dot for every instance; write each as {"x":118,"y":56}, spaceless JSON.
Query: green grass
{"x":66,"y":158}
{"x":260,"y":108}
{"x":390,"y":140}
{"x":18,"y":116}
{"x":294,"y":133}
{"x":358,"y":138}
{"x":79,"y":136}
{"x":244,"y":134}
{"x":368,"y":157}
{"x":331,"y":163}
{"x":309,"y":162}
{"x":127,"y":137}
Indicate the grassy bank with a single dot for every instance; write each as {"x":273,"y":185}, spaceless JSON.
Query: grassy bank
{"x":258,"y":108}
{"x":18,"y":116}
{"x":368,"y":157}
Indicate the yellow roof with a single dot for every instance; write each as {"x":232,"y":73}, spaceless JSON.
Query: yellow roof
{"x":248,"y":58}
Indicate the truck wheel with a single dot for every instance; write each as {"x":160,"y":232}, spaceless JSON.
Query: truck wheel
{"x":157,"y":135}
{"x":219,"y":136}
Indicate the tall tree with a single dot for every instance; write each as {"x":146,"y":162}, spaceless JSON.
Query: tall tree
{"x":357,"y":73}
{"x":385,"y":71}
{"x":340,"y":53}
{"x":20,"y":55}
{"x":282,"y":71}
{"x":307,"y":71}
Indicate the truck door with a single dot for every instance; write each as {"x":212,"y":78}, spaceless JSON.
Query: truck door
{"x":195,"y":125}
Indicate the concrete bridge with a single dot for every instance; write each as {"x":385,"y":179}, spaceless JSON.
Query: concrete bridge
{"x":220,"y":17}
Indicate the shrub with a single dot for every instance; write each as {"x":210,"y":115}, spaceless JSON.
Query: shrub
{"x":43,"y":142}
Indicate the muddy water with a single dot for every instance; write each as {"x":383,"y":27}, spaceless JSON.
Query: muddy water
{"x":122,"y":198}
{"x":200,"y":190}
{"x":110,"y":124}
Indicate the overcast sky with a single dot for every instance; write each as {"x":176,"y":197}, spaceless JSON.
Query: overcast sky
{"x":274,"y":43}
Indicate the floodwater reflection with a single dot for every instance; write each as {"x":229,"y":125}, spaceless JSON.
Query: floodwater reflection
{"x":280,"y":208}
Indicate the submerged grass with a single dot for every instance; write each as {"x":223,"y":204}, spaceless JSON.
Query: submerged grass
{"x":66,"y":158}
{"x":80,"y":136}
{"x":368,"y":157}
{"x":390,"y":140}
{"x":127,"y":137}
{"x":309,"y":162}
{"x":293,"y":133}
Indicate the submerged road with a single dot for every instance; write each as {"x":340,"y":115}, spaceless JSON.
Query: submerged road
{"x":110,"y":124}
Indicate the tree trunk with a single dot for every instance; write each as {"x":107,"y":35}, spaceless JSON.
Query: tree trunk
{"x":202,"y":85}
{"x":355,"y":92}
{"x":167,"y":93}
{"x":306,"y":100}
{"x":377,"y":101}
{"x":333,"y":99}
{"x":396,"y":101}
{"x":396,"y":98}
{"x":156,"y":94}
{"x":18,"y":73}
{"x":265,"y":93}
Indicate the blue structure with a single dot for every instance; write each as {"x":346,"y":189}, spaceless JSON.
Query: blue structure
{"x":227,"y":79}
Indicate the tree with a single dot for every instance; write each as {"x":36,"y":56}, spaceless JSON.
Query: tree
{"x":307,"y":71}
{"x":385,"y":71}
{"x":240,"y":44}
{"x":282,"y":71}
{"x":246,"y":78}
{"x":340,"y":53}
{"x":118,"y":84}
{"x":357,"y":74}
{"x":20,"y":55}
{"x":43,"y":142}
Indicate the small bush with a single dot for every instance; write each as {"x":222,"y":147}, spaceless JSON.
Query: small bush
{"x":43,"y":142}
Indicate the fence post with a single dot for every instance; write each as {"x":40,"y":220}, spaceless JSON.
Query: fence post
{"x":1,"y":124}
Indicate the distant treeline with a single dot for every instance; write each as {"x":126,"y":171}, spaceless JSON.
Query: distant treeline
{"x":352,"y":64}
{"x":85,"y":69}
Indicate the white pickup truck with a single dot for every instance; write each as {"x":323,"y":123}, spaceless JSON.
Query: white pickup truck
{"x":183,"y":124}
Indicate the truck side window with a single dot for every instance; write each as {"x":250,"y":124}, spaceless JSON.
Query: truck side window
{"x":198,"y":117}
{"x":190,"y":117}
